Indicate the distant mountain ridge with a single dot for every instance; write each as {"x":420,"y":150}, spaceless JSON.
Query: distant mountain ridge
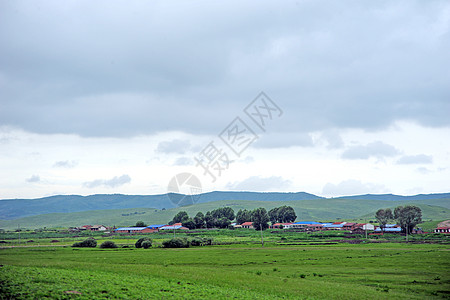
{"x":18,"y":208}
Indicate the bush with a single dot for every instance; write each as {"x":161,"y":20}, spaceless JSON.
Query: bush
{"x":90,"y":242}
{"x":176,"y":243}
{"x":197,"y":241}
{"x":108,"y":244}
{"x":146,"y":244}
{"x":139,"y":242}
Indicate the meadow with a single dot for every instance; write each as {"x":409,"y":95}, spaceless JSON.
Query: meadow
{"x":290,"y":266}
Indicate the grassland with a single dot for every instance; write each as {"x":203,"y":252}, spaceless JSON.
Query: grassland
{"x":313,"y":210}
{"x":291,"y":266}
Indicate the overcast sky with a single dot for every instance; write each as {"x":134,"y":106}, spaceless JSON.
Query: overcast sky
{"x":119,"y":97}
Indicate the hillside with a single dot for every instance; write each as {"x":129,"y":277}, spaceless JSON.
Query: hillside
{"x":17,"y":208}
{"x":314,"y":210}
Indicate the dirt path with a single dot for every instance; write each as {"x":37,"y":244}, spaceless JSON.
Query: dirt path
{"x":444,"y":224}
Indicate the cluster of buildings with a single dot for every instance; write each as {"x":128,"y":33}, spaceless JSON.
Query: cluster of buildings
{"x":151,"y":228}
{"x":308,"y":226}
{"x":317,"y":226}
{"x":91,"y":228}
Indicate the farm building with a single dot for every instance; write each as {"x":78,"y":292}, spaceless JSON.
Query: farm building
{"x":349,"y":226}
{"x":281,"y":225}
{"x":314,"y":227}
{"x":248,"y":225}
{"x":155,"y":227}
{"x":175,"y":226}
{"x":303,"y":225}
{"x":442,"y":230}
{"x":134,"y":230}
{"x":98,"y":228}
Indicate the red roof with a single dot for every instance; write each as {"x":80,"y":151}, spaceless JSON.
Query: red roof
{"x":247,"y":224}
{"x":314,"y":225}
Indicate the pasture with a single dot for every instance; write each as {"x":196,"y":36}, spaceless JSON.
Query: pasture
{"x":237,"y":270}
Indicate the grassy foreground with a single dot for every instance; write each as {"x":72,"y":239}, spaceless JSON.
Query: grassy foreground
{"x":243,"y":271}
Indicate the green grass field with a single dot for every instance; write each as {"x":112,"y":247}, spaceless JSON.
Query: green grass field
{"x":290,"y":266}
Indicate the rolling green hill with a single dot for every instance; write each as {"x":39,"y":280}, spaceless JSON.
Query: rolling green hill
{"x":314,"y":210}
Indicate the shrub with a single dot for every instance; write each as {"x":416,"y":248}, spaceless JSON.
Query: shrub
{"x":146,"y":244}
{"x":108,"y":244}
{"x":139,"y":242}
{"x":90,"y":242}
{"x":197,"y":241}
{"x":176,"y":243}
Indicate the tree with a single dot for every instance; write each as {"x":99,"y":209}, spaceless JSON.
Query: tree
{"x":243,"y":216}
{"x":180,"y":217}
{"x":286,"y":214}
{"x":408,"y":217}
{"x":222,"y":222}
{"x":223,"y":212}
{"x":209,"y":220}
{"x":199,"y":220}
{"x":141,"y":224}
{"x":189,"y":223}
{"x":260,"y":221}
{"x":273,"y":215}
{"x":383,"y":216}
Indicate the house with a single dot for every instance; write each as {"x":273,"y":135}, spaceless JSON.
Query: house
{"x":281,"y":225}
{"x":248,"y":225}
{"x":334,"y":226}
{"x":175,"y":226}
{"x":314,"y":227}
{"x":303,"y":225}
{"x":155,"y":227}
{"x":390,"y":228}
{"x":442,"y":230}
{"x":365,"y":226}
{"x":349,"y":226}
{"x":134,"y":230}
{"x":86,"y":227}
{"x":98,"y":228}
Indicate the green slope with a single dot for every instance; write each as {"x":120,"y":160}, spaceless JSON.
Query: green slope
{"x":314,"y":210}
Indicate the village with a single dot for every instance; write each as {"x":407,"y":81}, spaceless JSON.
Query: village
{"x":303,"y":226}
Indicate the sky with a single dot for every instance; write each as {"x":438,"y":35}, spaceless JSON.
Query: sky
{"x":332,"y":98}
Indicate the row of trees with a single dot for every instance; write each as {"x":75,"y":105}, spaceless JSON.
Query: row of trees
{"x":218,"y":218}
{"x":222,"y":217}
{"x":406,"y":216}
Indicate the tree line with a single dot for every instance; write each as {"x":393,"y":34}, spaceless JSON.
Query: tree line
{"x":222,"y":217}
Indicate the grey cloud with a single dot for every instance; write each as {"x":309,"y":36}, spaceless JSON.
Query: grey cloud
{"x":283,"y":139}
{"x":65,"y":164}
{"x":176,"y":66}
{"x":34,"y":178}
{"x":415,"y":159}
{"x":352,"y":187}
{"x":261,"y":184}
{"x":113,"y":182}
{"x":376,"y":149}
{"x":333,"y":139}
{"x":183,"y":161}
{"x":174,"y":146}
